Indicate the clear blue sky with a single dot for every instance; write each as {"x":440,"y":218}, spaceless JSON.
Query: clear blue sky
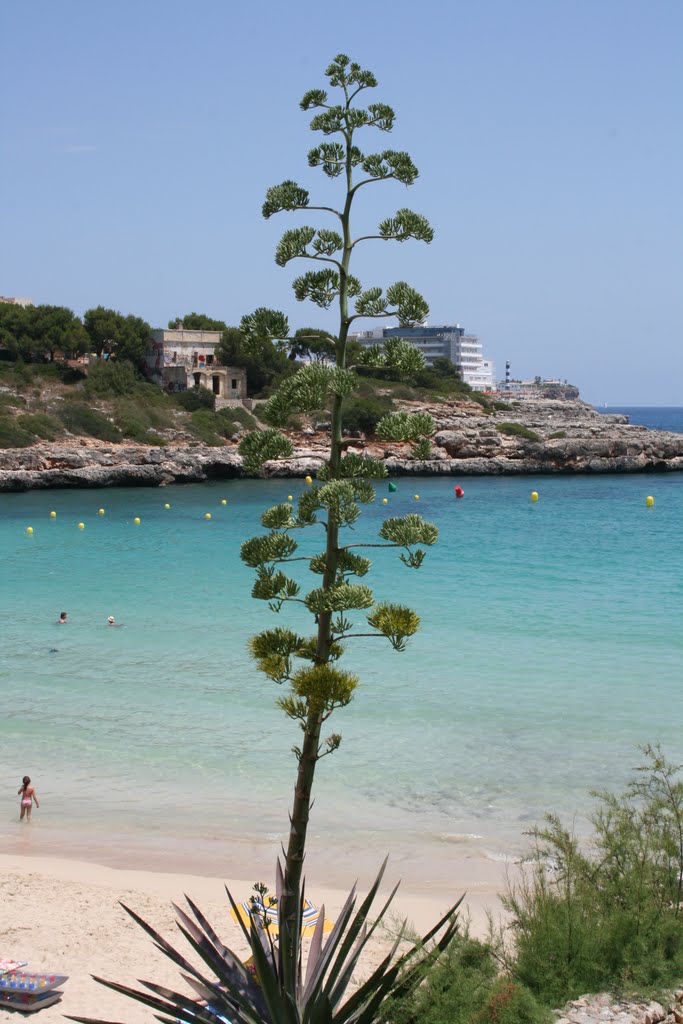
{"x":138,"y":139}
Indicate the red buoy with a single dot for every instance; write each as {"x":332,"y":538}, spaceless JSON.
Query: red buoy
{"x":459,"y":493}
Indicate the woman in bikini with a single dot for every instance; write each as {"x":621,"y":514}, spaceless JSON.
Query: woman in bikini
{"x":28,"y":795}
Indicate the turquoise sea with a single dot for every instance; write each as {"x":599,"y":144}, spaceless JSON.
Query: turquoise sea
{"x":551,"y":647}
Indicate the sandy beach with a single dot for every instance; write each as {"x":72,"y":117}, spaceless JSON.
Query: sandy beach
{"x":63,"y":915}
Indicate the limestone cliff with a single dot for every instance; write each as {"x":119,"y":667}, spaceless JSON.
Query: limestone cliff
{"x":566,"y":437}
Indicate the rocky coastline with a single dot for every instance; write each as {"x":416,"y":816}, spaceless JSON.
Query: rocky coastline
{"x":565,"y":437}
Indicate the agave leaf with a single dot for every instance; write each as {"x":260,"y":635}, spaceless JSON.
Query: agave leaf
{"x":344,"y":978}
{"x":220,"y":968}
{"x":209,"y":930}
{"x":279,"y":1009}
{"x":365,"y":934}
{"x":333,"y":940}
{"x":92,"y":1020}
{"x":217,"y":959}
{"x":245,"y":930}
{"x":449,"y":917}
{"x":161,"y":943}
{"x":383,"y":980}
{"x":153,"y":1001}
{"x":319,"y":1012}
{"x":203,"y":991}
{"x":373,"y":983}
{"x":351,"y":934}
{"x":218,"y":996}
{"x":175,"y":956}
{"x":316,"y":945}
{"x":180,"y":1001}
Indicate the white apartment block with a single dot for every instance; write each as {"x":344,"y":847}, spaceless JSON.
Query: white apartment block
{"x":446,"y":341}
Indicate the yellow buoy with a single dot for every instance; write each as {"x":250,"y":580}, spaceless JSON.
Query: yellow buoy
{"x":223,"y":501}
{"x":207,"y":515}
{"x":385,"y":501}
{"x":167,"y":505}
{"x":81,"y":526}
{"x":289,"y":497}
{"x":649,"y":501}
{"x":417,"y":497}
{"x":309,"y":480}
{"x":53,"y":515}
{"x":29,"y":530}
{"x":100,"y":511}
{"x":534,"y":495}
{"x":137,"y":520}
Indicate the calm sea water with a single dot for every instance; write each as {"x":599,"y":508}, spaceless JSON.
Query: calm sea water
{"x":551,"y":647}
{"x":659,"y":417}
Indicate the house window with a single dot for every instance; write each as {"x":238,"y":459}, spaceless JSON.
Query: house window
{"x":234,"y":384}
{"x":209,"y":360}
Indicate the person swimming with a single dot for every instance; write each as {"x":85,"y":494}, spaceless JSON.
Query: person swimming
{"x":111,"y":621}
{"x":28,"y":795}
{"x":61,"y":621}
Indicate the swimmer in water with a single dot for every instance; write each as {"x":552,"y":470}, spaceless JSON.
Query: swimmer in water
{"x":28,"y":795}
{"x":61,"y":621}
{"x":111,"y":621}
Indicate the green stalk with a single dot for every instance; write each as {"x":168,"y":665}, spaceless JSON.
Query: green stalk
{"x":294,"y":858}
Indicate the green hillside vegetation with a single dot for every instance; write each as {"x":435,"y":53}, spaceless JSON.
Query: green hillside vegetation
{"x":112,"y":402}
{"x":51,"y":401}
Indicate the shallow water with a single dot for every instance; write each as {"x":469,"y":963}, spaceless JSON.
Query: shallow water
{"x":551,"y":647}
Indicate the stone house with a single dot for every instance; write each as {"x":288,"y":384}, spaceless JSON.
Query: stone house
{"x":180,"y":359}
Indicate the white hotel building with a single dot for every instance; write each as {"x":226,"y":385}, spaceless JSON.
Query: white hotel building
{"x":446,"y":341}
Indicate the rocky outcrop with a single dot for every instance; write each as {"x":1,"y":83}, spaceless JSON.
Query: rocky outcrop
{"x":561,"y":437}
{"x":604,"y":1008}
{"x":91,"y":465}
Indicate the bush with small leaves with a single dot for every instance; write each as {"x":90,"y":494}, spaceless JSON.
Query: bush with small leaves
{"x":363,"y":414}
{"x":14,"y":436}
{"x":111,"y":377}
{"x":80,"y":419}
{"x":608,"y":916}
{"x":517,"y":430}
{"x":195,"y":398}
{"x":41,"y":424}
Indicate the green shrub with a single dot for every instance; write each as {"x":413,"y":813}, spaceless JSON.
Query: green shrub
{"x":239,"y":415}
{"x":12,"y":435}
{"x":511,"y":1003}
{"x":40,"y":424}
{"x":10,"y":402}
{"x":195,"y":398}
{"x":557,"y":435}
{"x":464,"y":987}
{"x":501,"y":406}
{"x":480,"y":398}
{"x":110,"y":377}
{"x":79,"y":419}
{"x":422,"y":450}
{"x":517,"y":430}
{"x":365,"y":413}
{"x":70,"y":374}
{"x":138,"y":418}
{"x":208,"y":427}
{"x":610,"y":918}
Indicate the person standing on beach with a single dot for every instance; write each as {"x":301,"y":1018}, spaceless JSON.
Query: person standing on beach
{"x":28,"y":795}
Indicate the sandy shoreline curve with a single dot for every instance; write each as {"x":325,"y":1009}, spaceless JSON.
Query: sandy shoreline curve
{"x":63,"y":915}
